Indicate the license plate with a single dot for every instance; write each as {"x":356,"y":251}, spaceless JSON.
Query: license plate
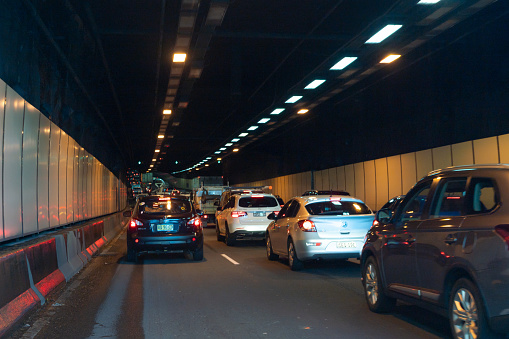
{"x":258,"y":214}
{"x":164,"y":227}
{"x":346,"y":244}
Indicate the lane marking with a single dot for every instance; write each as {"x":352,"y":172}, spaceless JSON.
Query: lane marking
{"x":230,"y":259}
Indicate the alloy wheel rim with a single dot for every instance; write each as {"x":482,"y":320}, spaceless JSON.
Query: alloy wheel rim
{"x":268,"y":247}
{"x":371,"y":284}
{"x":291,"y":254}
{"x":465,"y":315}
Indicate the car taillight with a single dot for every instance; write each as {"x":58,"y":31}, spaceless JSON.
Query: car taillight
{"x":503,"y":232}
{"x":236,"y":214}
{"x":375,"y":223}
{"x":195,"y":222}
{"x":276,"y":213}
{"x":135,"y":223}
{"x":306,"y":225}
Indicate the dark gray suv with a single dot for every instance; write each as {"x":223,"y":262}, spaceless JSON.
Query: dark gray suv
{"x":446,"y":248}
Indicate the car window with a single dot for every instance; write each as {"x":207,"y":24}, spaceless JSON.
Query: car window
{"x":293,"y":209}
{"x":338,"y":207}
{"x":172,"y":206}
{"x":413,"y":207}
{"x":449,"y":198}
{"x":258,"y":201}
{"x":483,"y":196}
{"x":282,"y":213}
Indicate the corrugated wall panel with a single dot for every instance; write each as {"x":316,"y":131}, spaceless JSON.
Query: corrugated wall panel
{"x":3,"y":88}
{"x":340,"y":174}
{"x":53,"y":175}
{"x":62,"y":176}
{"x":333,"y":180}
{"x":70,"y":180}
{"x":359,"y":181}
{"x":318,"y":180}
{"x":14,"y":108}
{"x":88,"y":171}
{"x":442,"y":157}
{"x":463,"y":153}
{"x":350,"y":179}
{"x":307,"y":181}
{"x":76,"y":178}
{"x":486,"y":151}
{"x":29,"y":176}
{"x":503,"y":144}
{"x":382,"y":183}
{"x":370,"y":183}
{"x":394,"y":176}
{"x":424,"y":161}
{"x":408,"y":171}
{"x":43,"y":173}
{"x":325,"y":179}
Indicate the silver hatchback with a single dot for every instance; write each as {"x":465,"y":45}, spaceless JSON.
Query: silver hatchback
{"x":318,"y":227}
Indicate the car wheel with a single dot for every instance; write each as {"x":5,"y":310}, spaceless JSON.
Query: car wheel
{"x":294,"y":262}
{"x":229,"y":238}
{"x":270,"y":254}
{"x":198,"y":254}
{"x":132,"y":255}
{"x":466,"y":312}
{"x":377,"y":300}
{"x":218,"y":233}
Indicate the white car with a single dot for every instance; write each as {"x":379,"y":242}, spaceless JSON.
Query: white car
{"x":244,"y":217}
{"x":318,"y":227}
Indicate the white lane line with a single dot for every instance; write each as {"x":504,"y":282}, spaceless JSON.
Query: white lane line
{"x":230,"y":259}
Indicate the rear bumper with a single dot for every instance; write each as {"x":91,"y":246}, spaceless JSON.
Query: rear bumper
{"x":319,"y":248}
{"x":249,"y":235}
{"x":165,"y":243}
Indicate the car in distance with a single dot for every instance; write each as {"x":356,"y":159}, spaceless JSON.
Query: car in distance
{"x":446,"y":248}
{"x":244,"y":217}
{"x":318,"y":227}
{"x":162,"y":224}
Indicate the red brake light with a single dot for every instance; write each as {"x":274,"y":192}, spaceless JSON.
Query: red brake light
{"x":276,"y":213}
{"x":375,"y":223}
{"x":134,"y":223}
{"x":307,"y":226}
{"x":503,"y":232}
{"x":195,"y":222}
{"x":335,"y":199}
{"x":236,"y":214}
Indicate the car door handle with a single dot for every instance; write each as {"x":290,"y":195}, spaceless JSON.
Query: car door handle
{"x":450,"y":239}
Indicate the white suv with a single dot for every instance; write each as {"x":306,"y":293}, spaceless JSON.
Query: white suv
{"x":244,"y":217}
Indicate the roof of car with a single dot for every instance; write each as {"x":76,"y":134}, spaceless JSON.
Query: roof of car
{"x":325,"y":197}
{"x":325,"y":192}
{"x":468,"y":168}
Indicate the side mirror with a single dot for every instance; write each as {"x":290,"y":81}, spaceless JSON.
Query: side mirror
{"x":272,"y":216}
{"x":127,"y":214}
{"x":384,"y":215}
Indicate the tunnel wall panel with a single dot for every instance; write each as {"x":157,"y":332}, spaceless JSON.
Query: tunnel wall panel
{"x":3,"y":89}
{"x":486,"y":151}
{"x":370,"y":183}
{"x":62,"y":178}
{"x":54,"y":142}
{"x":43,"y":173}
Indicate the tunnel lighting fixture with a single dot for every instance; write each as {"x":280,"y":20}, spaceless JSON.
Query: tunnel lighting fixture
{"x":235,"y":150}
{"x":383,"y":34}
{"x":264,"y":120}
{"x":314,"y":84}
{"x":160,"y":136}
{"x":206,"y":165}
{"x":217,"y":152}
{"x":179,"y":57}
{"x":228,"y":144}
{"x":303,"y":111}
{"x":154,"y":159}
{"x":157,"y":151}
{"x":252,"y":128}
{"x":293,"y":99}
{"x":219,"y":159}
{"x":277,"y":111}
{"x":235,"y":140}
{"x":208,"y":158}
{"x":222,"y":149}
{"x":243,"y":135}
{"x":167,"y":111}
{"x":390,"y":58}
{"x":176,"y":162}
{"x":428,"y":2}
{"x":151,"y":165}
{"x":341,"y":64}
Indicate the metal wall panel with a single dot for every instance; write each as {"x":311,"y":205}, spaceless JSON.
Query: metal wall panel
{"x":333,"y":180}
{"x":307,"y":181}
{"x":408,"y":171}
{"x":3,"y":88}
{"x":359,"y":180}
{"x":486,"y":151}
{"x":463,"y":153}
{"x":29,"y":174}
{"x":340,"y":174}
{"x":62,"y":179}
{"x":442,"y":157}
{"x":75,"y":189}
{"x":88,"y":171}
{"x":53,"y":175}
{"x":43,"y":173}
{"x":382,"y":183}
{"x":325,"y":179}
{"x":350,"y":179}
{"x":70,"y":180}
{"x":503,"y":148}
{"x":394,"y":176}
{"x":318,"y":180}
{"x":14,"y":108}
{"x":370,"y":183}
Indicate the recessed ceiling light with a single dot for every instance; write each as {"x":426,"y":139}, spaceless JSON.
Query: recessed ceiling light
{"x":293,"y":99}
{"x":154,"y":159}
{"x":206,"y":165}
{"x":228,"y":144}
{"x":390,"y":58}
{"x":167,"y":111}
{"x":219,"y":159}
{"x":252,"y":128}
{"x":235,"y":140}
{"x":277,"y":111}
{"x":222,"y":149}
{"x":157,"y":151}
{"x":243,"y":135}
{"x":160,"y":136}
{"x":264,"y":120}
{"x":341,"y":64}
{"x":383,"y":34}
{"x":314,"y":84}
{"x":235,"y":150}
{"x":217,"y":152}
{"x":208,"y":158}
{"x":303,"y":111}
{"x":179,"y":57}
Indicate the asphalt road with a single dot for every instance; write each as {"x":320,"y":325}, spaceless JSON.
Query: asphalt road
{"x":235,"y":292}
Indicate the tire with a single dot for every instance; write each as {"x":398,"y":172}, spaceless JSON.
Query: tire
{"x":467,"y":316}
{"x":270,"y":254}
{"x":229,"y":239}
{"x":294,"y":262}
{"x":132,"y":255}
{"x":218,"y":233}
{"x":198,"y":254}
{"x":376,"y":298}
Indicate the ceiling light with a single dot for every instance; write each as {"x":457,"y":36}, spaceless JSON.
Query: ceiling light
{"x":219,"y":159}
{"x":264,"y":120}
{"x":390,"y":58}
{"x":243,"y":135}
{"x":343,"y":63}
{"x":167,"y":111}
{"x":208,"y":158}
{"x":228,"y":144}
{"x":160,"y":136}
{"x":151,"y":165}
{"x":157,"y":151}
{"x":277,"y":111}
{"x":235,"y":140}
{"x":383,"y":34}
{"x":252,"y":128}
{"x":293,"y":99}
{"x":206,"y":165}
{"x":303,"y":111}
{"x":217,"y":152}
{"x":314,"y":84}
{"x":427,"y":2}
{"x":179,"y":57}
{"x":235,"y":150}
{"x":222,"y":149}
{"x":154,"y":159}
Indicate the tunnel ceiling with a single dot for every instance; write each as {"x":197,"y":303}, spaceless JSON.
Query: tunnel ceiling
{"x":244,"y":60}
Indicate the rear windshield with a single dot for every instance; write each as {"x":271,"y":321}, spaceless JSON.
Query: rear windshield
{"x":337,"y":208}
{"x":262,"y":201}
{"x":172,"y":206}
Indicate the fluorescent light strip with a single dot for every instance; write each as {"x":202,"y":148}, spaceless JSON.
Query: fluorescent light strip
{"x":383,"y":34}
{"x":228,"y":144}
{"x":314,"y":84}
{"x":343,"y":63}
{"x":222,"y":149}
{"x":252,"y":128}
{"x":235,"y":140}
{"x":293,"y":99}
{"x":277,"y":111}
{"x":390,"y":58}
{"x":243,"y":135}
{"x":264,"y":120}
{"x":428,"y":2}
